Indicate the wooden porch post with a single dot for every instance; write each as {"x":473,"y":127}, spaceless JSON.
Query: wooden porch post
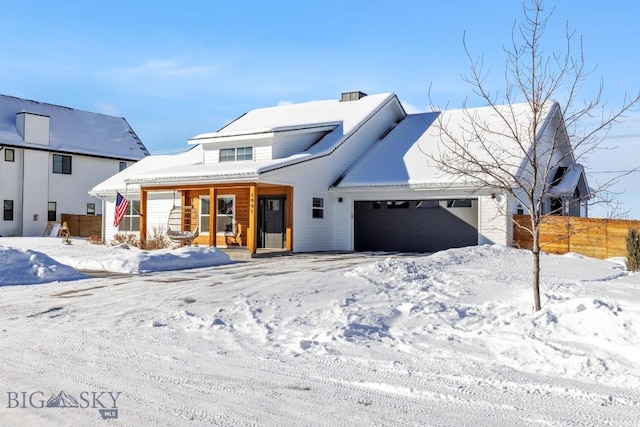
{"x":143,"y":215}
{"x":289,"y":220}
{"x":252,"y":232}
{"x":213,"y":212}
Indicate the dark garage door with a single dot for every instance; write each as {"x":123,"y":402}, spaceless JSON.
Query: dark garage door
{"x":416,"y":225}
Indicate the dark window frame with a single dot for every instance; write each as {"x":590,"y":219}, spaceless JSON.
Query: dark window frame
{"x":91,"y":208}
{"x":7,"y":157}
{"x":8,"y":210}
{"x":52,"y":215}
{"x":317,"y":208}
{"x":61,"y":164}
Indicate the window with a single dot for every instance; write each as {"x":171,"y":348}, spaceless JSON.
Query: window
{"x":317,"y":210}
{"x":123,"y":166}
{"x":131,"y":220}
{"x":227,"y":154}
{"x":62,"y":164}
{"x":204,"y":215}
{"x":460,"y":203}
{"x":233,"y":154}
{"x":428,"y":204}
{"x":244,"y":153}
{"x":9,"y":155}
{"x":397,"y":205}
{"x":91,"y":208}
{"x":8,"y":210}
{"x":51,"y":211}
{"x":225,"y":215}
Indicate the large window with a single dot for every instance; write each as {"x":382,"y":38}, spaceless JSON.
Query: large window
{"x":51,"y":211}
{"x":9,"y":155}
{"x":234,"y":154}
{"x":131,"y":220}
{"x":8,"y":210}
{"x":62,"y":164}
{"x":226,"y":215}
{"x":205,"y":214}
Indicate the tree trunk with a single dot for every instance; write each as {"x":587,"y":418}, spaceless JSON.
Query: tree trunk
{"x":536,"y":272}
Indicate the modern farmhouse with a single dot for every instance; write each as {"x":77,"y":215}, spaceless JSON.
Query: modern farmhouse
{"x":348,"y":174}
{"x":51,"y":156}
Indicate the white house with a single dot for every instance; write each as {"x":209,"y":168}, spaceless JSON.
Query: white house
{"x":51,"y":156}
{"x":348,"y":174}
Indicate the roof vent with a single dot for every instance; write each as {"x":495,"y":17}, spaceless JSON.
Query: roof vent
{"x":352,"y":96}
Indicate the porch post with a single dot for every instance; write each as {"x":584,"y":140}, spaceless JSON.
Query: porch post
{"x":252,"y":232}
{"x":288,"y":243}
{"x":143,"y":215}
{"x":213,"y":212}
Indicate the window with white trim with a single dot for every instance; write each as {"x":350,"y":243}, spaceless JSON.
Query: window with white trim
{"x":226,"y":214}
{"x":131,"y":219}
{"x":205,"y":214}
{"x":236,"y":154}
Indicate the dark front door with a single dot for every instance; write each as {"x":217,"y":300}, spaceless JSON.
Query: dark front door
{"x":271,"y":229}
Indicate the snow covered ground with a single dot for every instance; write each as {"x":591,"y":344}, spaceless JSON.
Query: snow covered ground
{"x":314,"y":339}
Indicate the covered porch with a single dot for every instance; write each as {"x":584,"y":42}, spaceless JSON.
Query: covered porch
{"x":249,"y":216}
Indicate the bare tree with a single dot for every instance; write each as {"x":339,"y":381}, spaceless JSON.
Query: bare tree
{"x":516,"y":152}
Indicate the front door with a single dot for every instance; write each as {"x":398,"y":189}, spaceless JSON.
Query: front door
{"x":271,"y":229}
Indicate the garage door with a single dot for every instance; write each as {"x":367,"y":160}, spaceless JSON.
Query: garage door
{"x":415,"y":225}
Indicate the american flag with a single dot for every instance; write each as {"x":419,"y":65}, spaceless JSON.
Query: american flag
{"x":122,"y":205}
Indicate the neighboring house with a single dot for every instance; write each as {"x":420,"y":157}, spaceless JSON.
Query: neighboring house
{"x":51,"y":156}
{"x":352,"y":174}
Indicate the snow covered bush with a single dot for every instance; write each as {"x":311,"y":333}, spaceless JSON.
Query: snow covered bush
{"x":633,"y":250}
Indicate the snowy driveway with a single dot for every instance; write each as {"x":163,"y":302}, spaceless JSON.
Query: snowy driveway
{"x":331,"y":339}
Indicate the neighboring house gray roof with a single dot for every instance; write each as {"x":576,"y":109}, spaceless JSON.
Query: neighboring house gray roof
{"x":72,"y":131}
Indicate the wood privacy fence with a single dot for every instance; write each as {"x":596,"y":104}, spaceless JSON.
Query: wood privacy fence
{"x":83,"y":225}
{"x":593,"y":237}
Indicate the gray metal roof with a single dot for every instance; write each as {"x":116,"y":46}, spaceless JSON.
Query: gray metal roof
{"x":72,"y":131}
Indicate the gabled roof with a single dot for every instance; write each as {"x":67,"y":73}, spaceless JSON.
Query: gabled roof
{"x":404,"y":156}
{"x":300,"y":116}
{"x":72,"y":131}
{"x":343,"y":117}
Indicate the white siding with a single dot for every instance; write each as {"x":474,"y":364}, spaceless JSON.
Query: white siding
{"x":11,"y":172}
{"x":158,"y":208}
{"x":35,"y":184}
{"x":211,"y":155}
{"x":262,"y":153}
{"x":35,"y":190}
{"x":493,"y":221}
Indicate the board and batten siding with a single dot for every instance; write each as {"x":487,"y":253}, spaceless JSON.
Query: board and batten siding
{"x":492,"y":222}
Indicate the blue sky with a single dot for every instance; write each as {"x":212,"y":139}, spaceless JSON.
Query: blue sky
{"x":176,"y":69}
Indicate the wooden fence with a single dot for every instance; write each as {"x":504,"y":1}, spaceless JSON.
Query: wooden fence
{"x":83,"y":225}
{"x":593,"y":237}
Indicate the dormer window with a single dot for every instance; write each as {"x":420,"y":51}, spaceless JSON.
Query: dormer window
{"x":236,"y":154}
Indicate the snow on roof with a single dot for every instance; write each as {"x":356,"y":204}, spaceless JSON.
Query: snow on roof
{"x":568,"y":182}
{"x":148,"y":165}
{"x":342,"y":117}
{"x":72,"y":131}
{"x":404,"y":156}
{"x":304,"y":115}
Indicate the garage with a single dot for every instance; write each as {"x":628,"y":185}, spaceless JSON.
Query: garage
{"x":415,"y":225}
